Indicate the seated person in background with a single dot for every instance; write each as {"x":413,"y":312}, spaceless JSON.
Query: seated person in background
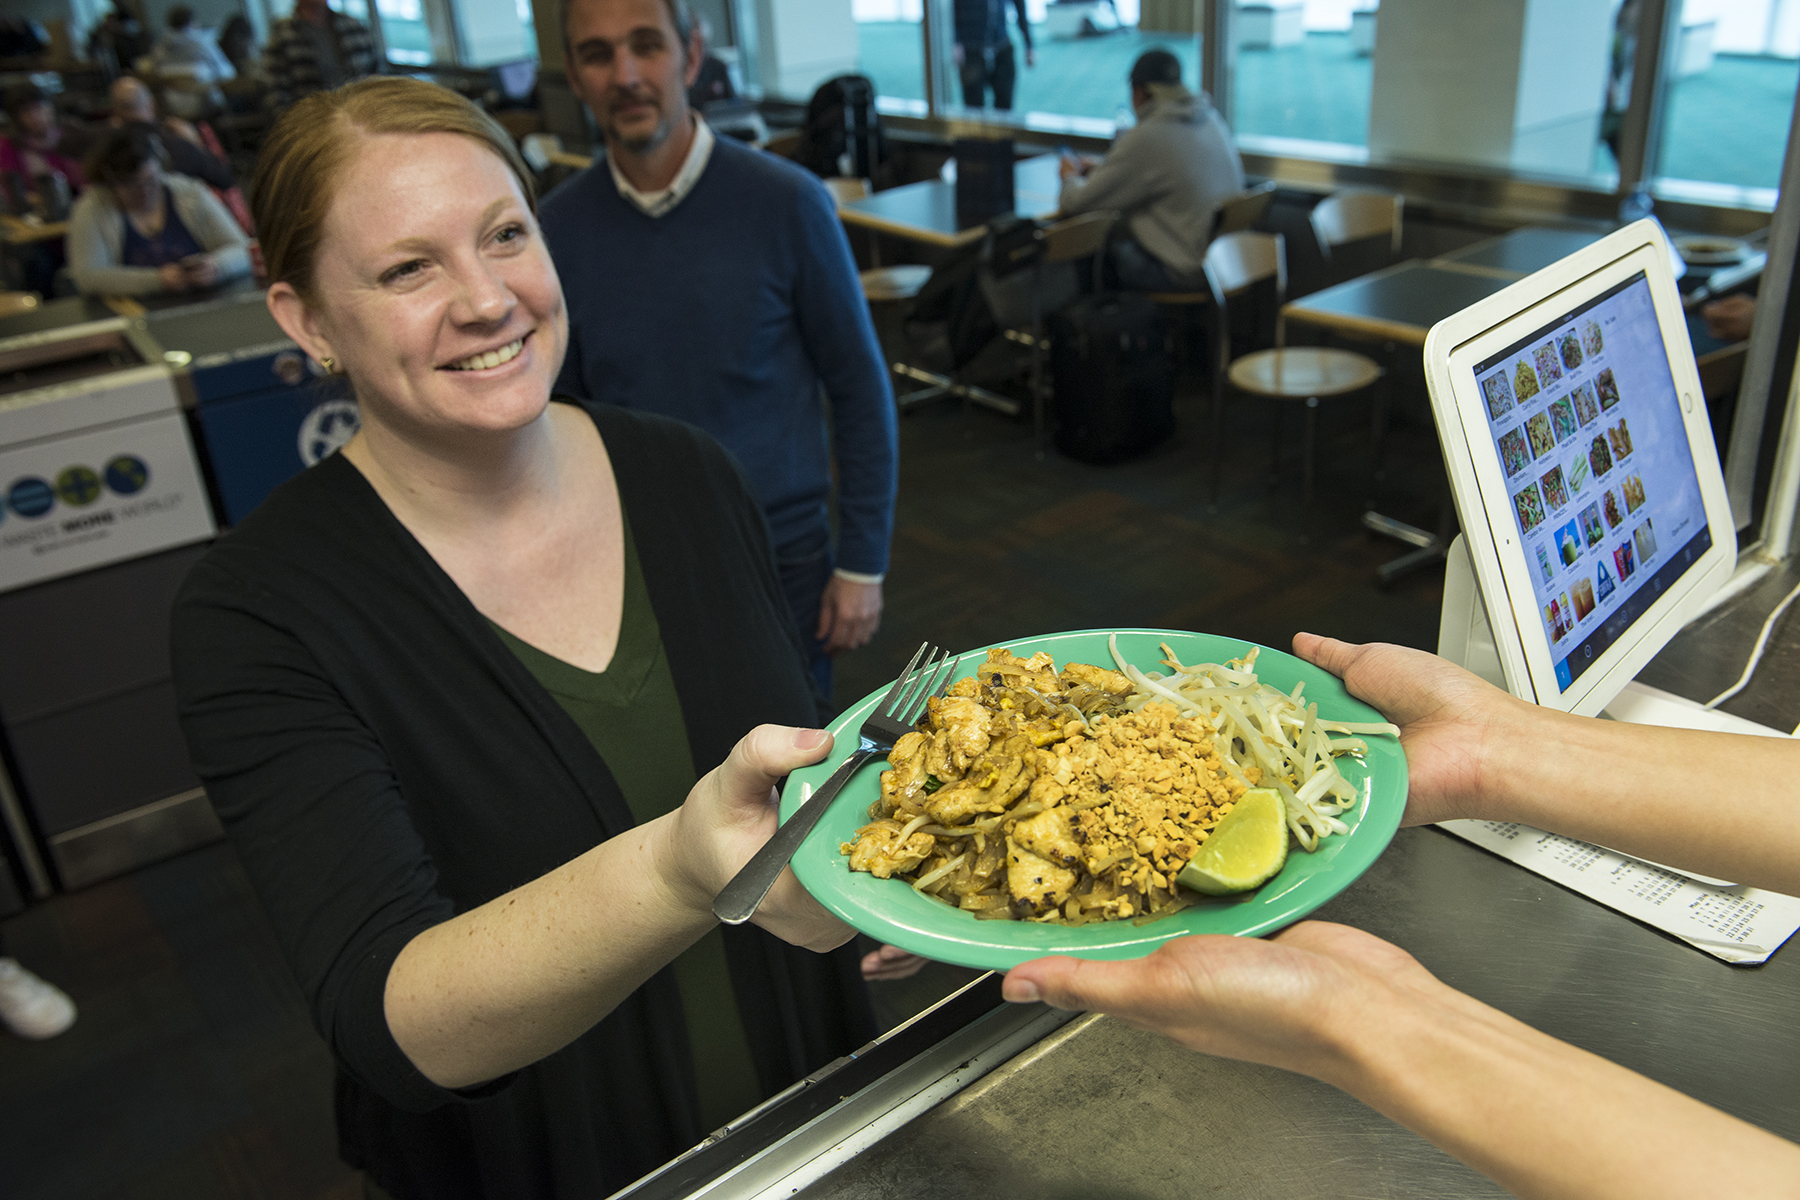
{"x":185,"y":50}
{"x":36,"y":149}
{"x":118,"y":41}
{"x":1167,"y":175}
{"x":1729,"y":318}
{"x":316,"y":50}
{"x":1541,"y":1117}
{"x":237,"y":41}
{"x":134,"y":106}
{"x":139,"y":232}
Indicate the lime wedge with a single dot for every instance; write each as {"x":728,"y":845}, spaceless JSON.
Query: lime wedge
{"x":1245,"y":849}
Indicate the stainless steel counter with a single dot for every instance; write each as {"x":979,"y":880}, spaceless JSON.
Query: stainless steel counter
{"x":1005,"y":1103}
{"x":1100,"y":1109}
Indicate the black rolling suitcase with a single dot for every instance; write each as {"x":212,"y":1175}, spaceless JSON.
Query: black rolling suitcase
{"x":1112,"y":378}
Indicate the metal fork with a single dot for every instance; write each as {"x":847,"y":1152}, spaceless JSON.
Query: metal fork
{"x":890,"y":720}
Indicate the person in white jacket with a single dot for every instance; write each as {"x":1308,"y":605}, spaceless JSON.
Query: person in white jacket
{"x":1167,"y":176}
{"x":140,"y":231}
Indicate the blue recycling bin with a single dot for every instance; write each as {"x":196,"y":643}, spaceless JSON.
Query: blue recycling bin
{"x":263,"y":412}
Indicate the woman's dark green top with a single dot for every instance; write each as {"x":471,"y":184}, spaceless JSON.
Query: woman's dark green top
{"x":632,"y":715}
{"x":382,"y":762}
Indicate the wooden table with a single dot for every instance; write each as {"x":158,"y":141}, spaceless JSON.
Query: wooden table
{"x":17,"y":231}
{"x":926,"y":212}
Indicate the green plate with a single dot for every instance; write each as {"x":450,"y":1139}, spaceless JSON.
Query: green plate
{"x":889,"y":910}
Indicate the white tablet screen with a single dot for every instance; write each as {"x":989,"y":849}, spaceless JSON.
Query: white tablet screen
{"x":1589,"y":431}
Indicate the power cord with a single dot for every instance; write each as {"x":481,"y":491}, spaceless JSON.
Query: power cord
{"x":1762,"y":644}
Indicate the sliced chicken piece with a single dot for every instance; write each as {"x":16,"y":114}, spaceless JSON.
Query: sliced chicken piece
{"x":1037,"y":672}
{"x":1050,"y":836}
{"x":908,"y":762}
{"x":1037,"y":884}
{"x":965,"y":721}
{"x":960,"y":803}
{"x":879,"y":850}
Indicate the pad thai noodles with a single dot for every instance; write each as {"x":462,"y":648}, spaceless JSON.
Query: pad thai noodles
{"x":1077,"y":795}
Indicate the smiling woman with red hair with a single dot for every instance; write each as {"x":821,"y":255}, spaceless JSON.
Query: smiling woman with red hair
{"x":450,"y":691}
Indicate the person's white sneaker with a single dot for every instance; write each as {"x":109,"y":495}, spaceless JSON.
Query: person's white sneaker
{"x":30,"y":1007}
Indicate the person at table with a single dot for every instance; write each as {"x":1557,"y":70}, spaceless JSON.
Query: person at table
{"x":37,"y":152}
{"x":118,"y":40}
{"x":1542,"y":1118}
{"x":237,"y":42}
{"x":983,"y":51}
{"x":1167,"y":176}
{"x":185,"y":49}
{"x":451,"y":689}
{"x":134,"y":105}
{"x":141,"y":230}
{"x":316,"y":49}
{"x":713,"y":282}
{"x":1730,"y":318}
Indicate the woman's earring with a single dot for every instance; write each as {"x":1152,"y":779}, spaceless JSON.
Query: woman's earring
{"x":330,"y":364}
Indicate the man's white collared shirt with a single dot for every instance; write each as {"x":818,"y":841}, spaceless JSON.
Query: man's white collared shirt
{"x":655,"y":204}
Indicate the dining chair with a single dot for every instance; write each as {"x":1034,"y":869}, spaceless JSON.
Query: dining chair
{"x":1304,"y":374}
{"x":1244,"y":209}
{"x":1235,"y":213}
{"x":1355,"y":215}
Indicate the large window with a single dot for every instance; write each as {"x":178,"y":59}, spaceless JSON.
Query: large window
{"x":890,"y":39}
{"x":470,"y":33}
{"x":1081,"y":54}
{"x":1536,"y":90}
{"x":1302,"y":70}
{"x":1730,"y":82}
{"x":403,"y":27}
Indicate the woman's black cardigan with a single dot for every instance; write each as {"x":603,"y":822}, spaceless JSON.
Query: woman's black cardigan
{"x":382,"y":762}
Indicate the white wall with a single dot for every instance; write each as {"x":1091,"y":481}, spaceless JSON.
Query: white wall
{"x":802,"y":43}
{"x":1512,"y":84}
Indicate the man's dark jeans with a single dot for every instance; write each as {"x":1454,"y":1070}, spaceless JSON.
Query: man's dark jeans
{"x":994,"y":67}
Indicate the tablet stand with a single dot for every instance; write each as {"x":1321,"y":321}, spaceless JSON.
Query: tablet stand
{"x":1466,"y":638}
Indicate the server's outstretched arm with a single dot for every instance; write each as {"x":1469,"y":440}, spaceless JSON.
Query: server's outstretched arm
{"x":1544,"y":1119}
{"x":1726,"y":805}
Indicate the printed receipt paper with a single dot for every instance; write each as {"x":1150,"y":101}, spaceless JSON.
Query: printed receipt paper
{"x":1736,"y":923}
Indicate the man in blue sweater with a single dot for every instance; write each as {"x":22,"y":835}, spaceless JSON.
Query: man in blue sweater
{"x":713,"y":282}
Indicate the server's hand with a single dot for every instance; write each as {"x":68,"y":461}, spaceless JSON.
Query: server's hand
{"x":732,"y":811}
{"x":1449,"y":719}
{"x":1290,"y":1001}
